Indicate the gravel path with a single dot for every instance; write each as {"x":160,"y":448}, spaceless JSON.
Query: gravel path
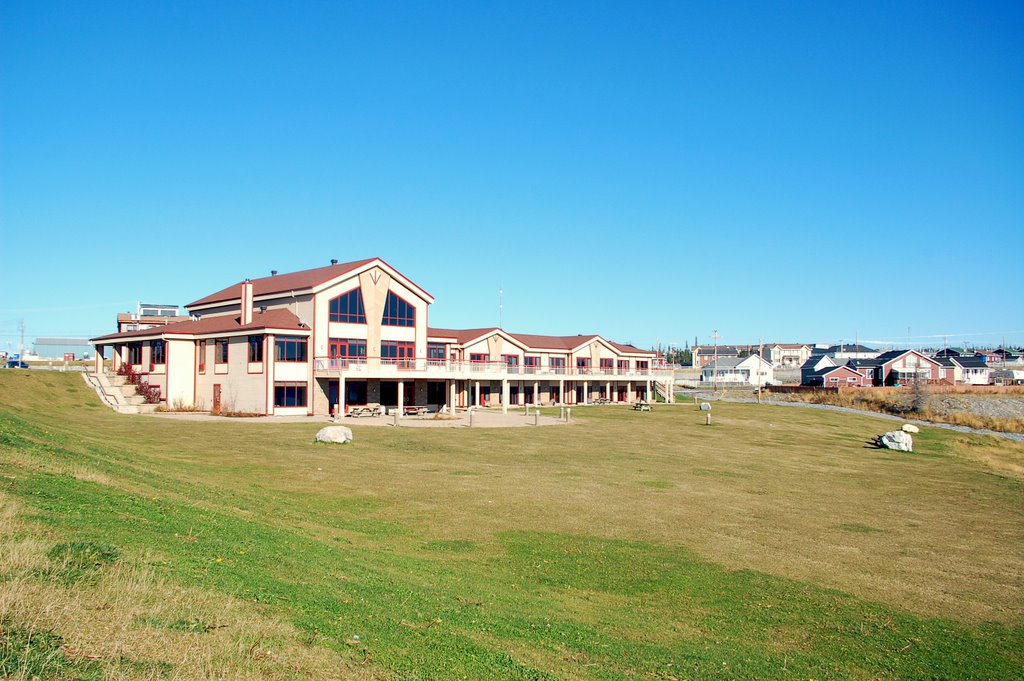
{"x":1016,"y":437}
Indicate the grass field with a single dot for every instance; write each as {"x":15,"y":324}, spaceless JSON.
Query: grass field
{"x":774,"y":544}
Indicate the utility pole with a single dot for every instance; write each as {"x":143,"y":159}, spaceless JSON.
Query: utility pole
{"x":714,"y":371}
{"x":21,"y":346}
{"x":760,"y":356}
{"x":501,"y":305}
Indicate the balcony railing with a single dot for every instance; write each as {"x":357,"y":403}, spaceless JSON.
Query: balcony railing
{"x":440,"y":367}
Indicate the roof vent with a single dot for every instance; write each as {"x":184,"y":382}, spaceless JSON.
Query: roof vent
{"x":273,"y":273}
{"x":334,"y":261}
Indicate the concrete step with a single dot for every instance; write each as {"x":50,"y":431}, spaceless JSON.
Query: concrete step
{"x":116,"y":380}
{"x":127,"y":409}
{"x":135,"y":400}
{"x":128,"y":390}
{"x":147,"y":408}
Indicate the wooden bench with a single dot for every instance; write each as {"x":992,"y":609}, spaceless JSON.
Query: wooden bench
{"x":371,"y":409}
{"x":642,"y":406}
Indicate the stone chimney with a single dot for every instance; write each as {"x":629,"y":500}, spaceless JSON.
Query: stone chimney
{"x":246,"y":302}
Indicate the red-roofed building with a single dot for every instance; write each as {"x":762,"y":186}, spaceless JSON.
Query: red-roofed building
{"x":324,"y":339}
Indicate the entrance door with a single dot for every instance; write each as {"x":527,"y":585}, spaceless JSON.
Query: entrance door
{"x":332,"y":395}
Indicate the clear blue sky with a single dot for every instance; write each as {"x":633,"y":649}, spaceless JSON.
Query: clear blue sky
{"x":798,"y":171}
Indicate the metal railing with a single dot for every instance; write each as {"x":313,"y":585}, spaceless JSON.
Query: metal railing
{"x":362,"y":365}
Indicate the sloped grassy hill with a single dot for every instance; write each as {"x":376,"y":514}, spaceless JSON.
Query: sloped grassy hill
{"x":774,"y":544}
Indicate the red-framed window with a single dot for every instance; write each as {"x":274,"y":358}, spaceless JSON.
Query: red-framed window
{"x":435,"y":350}
{"x":531,"y":362}
{"x":290,"y":349}
{"x":201,"y":345}
{"x":557,"y":364}
{"x":157,"y":353}
{"x":135,"y":353}
{"x":623,"y":365}
{"x":403,"y":352}
{"x":477,"y":357}
{"x":348,"y":308}
{"x":510,"y":360}
{"x":642,"y":365}
{"x":289,"y":394}
{"x":255,"y":349}
{"x":398,"y":312}
{"x":583,"y":365}
{"x":220,"y":351}
{"x":607,"y":365}
{"x":346,"y":348}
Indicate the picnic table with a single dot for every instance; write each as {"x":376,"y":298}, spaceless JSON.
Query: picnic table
{"x":371,"y":409}
{"x":642,"y":406}
{"x":414,"y":410}
{"x":602,"y":400}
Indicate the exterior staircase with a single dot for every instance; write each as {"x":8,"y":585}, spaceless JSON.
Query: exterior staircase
{"x":117,"y":393}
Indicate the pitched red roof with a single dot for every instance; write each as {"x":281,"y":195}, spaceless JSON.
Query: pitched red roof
{"x":564,"y":343}
{"x":271,"y":319}
{"x":283,"y":283}
{"x":460,"y":335}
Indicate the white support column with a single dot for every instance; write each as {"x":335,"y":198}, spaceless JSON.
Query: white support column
{"x":504,"y":396}
{"x":476,"y":388}
{"x":608,"y":391}
{"x":650,"y":397}
{"x":629,"y":391}
{"x":401,"y":398}
{"x":561,"y":391}
{"x":536,"y":393}
{"x":341,"y":396}
{"x":451,"y":392}
{"x":586,"y":392}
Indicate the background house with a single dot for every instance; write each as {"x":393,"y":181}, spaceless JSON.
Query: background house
{"x":750,"y":370}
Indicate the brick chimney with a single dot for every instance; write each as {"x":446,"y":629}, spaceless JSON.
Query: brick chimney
{"x":246,"y":302}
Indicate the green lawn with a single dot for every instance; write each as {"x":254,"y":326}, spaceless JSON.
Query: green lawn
{"x":774,"y":544}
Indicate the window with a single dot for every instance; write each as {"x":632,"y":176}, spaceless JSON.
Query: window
{"x":347,"y":348}
{"x":435,"y":350}
{"x":531,"y":363}
{"x":348,"y":308}
{"x":290,"y":349}
{"x":398,"y":312}
{"x":401,"y":353}
{"x":135,"y":353}
{"x":479,"y":357}
{"x":607,"y":365}
{"x":289,"y":394}
{"x":202,"y":356}
{"x":510,"y":360}
{"x":583,"y":365}
{"x":623,"y":365}
{"x":157,"y":353}
{"x":220,"y":351}
{"x":642,"y":365}
{"x":255,"y":349}
{"x":557,"y":364}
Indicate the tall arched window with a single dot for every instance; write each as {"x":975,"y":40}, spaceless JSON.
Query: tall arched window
{"x":398,"y":312}
{"x":348,"y":307}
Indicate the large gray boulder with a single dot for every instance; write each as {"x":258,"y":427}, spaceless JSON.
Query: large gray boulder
{"x":899,"y":440}
{"x":334,"y":434}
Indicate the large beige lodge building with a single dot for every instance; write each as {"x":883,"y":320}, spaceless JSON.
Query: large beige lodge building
{"x":321,"y":340}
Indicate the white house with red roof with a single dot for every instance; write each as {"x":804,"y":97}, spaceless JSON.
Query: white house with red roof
{"x":321,"y":340}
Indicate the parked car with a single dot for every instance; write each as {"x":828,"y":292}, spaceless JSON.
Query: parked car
{"x":16,"y":364}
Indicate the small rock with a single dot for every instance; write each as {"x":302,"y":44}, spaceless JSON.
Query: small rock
{"x":910,"y":428}
{"x":334,"y":434}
